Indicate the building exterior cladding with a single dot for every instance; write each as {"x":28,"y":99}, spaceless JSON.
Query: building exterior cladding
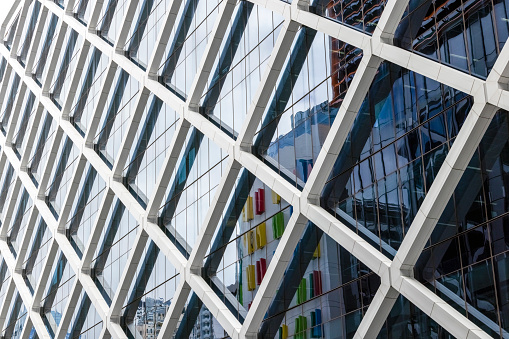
{"x":254,"y":169}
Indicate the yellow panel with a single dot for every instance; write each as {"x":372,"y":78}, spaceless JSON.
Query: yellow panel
{"x":317,"y":253}
{"x":261,"y":235}
{"x":276,"y":199}
{"x":251,"y":242}
{"x":249,"y":208}
{"x":250,"y":274}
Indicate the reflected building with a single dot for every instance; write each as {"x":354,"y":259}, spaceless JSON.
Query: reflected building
{"x":153,"y":166}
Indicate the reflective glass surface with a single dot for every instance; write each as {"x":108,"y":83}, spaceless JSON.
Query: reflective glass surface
{"x":152,"y":142}
{"x":238,"y":69}
{"x":394,"y":150}
{"x":150,"y":294}
{"x":186,"y":45}
{"x":467,"y":35}
{"x":305,"y":103}
{"x":115,"y":244}
{"x":90,"y":82}
{"x":121,"y":102}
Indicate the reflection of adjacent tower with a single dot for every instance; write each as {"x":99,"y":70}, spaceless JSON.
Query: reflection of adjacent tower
{"x":205,"y":328}
{"x":344,"y":62}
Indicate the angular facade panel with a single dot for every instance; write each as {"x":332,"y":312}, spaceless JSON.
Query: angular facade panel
{"x":254,"y":169}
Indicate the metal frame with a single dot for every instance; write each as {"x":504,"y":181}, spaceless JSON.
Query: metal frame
{"x":396,"y":275}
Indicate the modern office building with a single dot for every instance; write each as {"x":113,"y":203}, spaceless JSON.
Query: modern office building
{"x":254,"y":169}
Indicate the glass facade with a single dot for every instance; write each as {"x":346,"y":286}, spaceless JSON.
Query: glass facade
{"x":106,"y":230}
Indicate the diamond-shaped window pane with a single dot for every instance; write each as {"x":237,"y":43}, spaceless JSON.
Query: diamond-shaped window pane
{"x":186,"y":45}
{"x":322,"y":291}
{"x":36,"y":254}
{"x":16,"y":320}
{"x":465,"y":261}
{"x":148,"y":19}
{"x":19,"y":140}
{"x":154,"y":136}
{"x":61,"y":82}
{"x":408,"y":321}
{"x":110,"y":19}
{"x":85,"y":322}
{"x":239,"y":66}
{"x":84,"y":209}
{"x":198,"y":322}
{"x":58,"y":289}
{"x":5,"y":276}
{"x":61,"y":174}
{"x":465,"y":35}
{"x":19,"y":221}
{"x":244,"y":242}
{"x":150,"y":294}
{"x":40,"y":150}
{"x":191,"y":190}
{"x":31,"y":22}
{"x":394,"y":150}
{"x":82,"y":10}
{"x":7,"y":187}
{"x":305,"y":102}
{"x":8,"y":102}
{"x":120,"y":105}
{"x":11,"y":31}
{"x":92,"y":77}
{"x":39,"y":70}
{"x":115,"y":243}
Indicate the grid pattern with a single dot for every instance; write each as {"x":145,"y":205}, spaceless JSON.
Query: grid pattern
{"x":396,"y":275}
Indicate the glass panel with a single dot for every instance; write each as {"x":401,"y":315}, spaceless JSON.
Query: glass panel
{"x":407,"y":321}
{"x":16,"y":321}
{"x":116,"y":240}
{"x":245,"y":241}
{"x":121,"y":102}
{"x":31,"y":23}
{"x":11,"y":30}
{"x":62,"y":174}
{"x":5,"y":276}
{"x":68,"y":62}
{"x":58,"y":289}
{"x":240,"y":66}
{"x":91,"y":79}
{"x":324,"y":293}
{"x":147,"y":155}
{"x":192,"y":187}
{"x":85,"y":322}
{"x":39,"y":70}
{"x":19,"y":222}
{"x":394,"y":150}
{"x":39,"y":154}
{"x":8,"y":178}
{"x":85,"y":207}
{"x":144,"y":31}
{"x":464,"y":261}
{"x":82,"y":11}
{"x":194,"y":23}
{"x":150,"y":294}
{"x":111,"y":17}
{"x":203,"y":324}
{"x":8,"y":102}
{"x":362,"y":15}
{"x":24,"y":124}
{"x":36,"y":255}
{"x":3,"y":67}
{"x":457,"y":33}
{"x":305,"y":103}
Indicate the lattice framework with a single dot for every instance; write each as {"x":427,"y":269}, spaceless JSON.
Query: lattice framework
{"x":396,"y":275}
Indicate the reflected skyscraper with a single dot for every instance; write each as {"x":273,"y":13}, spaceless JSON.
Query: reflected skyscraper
{"x":254,"y":169}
